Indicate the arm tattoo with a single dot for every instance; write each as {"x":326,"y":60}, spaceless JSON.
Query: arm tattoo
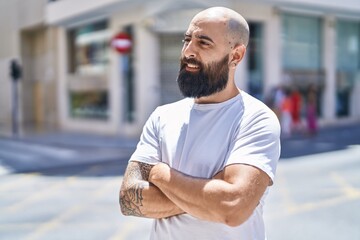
{"x":135,"y":180}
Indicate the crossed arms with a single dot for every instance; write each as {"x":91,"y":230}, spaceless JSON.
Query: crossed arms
{"x":158,"y":191}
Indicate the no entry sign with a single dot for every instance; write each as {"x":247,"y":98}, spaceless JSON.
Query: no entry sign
{"x":122,"y":43}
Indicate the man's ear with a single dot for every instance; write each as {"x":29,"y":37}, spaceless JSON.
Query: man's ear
{"x":237,"y":54}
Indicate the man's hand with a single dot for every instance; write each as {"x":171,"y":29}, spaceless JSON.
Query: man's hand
{"x":160,"y":169}
{"x":140,"y":198}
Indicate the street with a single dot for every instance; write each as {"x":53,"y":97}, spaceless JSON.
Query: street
{"x":316,"y":197}
{"x":68,"y":203}
{"x":316,"y":194}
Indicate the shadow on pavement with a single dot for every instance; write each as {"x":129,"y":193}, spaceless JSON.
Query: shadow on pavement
{"x":65,"y":154}
{"x":107,"y":168}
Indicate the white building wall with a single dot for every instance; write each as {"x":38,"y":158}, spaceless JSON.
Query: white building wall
{"x":62,"y":56}
{"x":272,"y":52}
{"x":9,"y":49}
{"x":30,"y":12}
{"x":66,"y":9}
{"x":329,"y":60}
{"x":355,"y":99}
{"x":5,"y":96}
{"x":147,"y":71}
{"x":15,"y":16}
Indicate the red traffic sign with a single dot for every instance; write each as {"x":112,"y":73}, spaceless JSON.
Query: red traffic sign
{"x":122,"y":43}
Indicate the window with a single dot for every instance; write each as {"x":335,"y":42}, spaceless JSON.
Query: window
{"x":347,"y":63}
{"x":301,"y":36}
{"x":302,"y":53}
{"x":88,"y":62}
{"x":169,"y":68}
{"x":255,"y":56}
{"x":89,"y":104}
{"x":89,"y":49}
{"x":348,"y":44}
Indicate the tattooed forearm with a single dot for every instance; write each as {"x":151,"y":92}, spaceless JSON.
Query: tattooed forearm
{"x":137,"y":171}
{"x":131,"y":200}
{"x":131,"y":193}
{"x":138,"y":197}
{"x":135,"y":194}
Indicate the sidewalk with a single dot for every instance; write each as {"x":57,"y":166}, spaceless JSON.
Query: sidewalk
{"x":328,"y":139}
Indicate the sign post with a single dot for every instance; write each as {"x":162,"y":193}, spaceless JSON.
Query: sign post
{"x":15,"y":74}
{"x":122,"y":43}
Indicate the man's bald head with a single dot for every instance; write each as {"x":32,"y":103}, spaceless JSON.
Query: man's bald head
{"x":237,"y":27}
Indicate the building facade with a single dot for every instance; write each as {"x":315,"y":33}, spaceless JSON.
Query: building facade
{"x":76,"y":78}
{"x":27,"y":40}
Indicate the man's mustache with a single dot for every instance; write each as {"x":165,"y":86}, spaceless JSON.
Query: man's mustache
{"x":185,"y":61}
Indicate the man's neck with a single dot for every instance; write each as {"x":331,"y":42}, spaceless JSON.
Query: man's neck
{"x":222,"y":96}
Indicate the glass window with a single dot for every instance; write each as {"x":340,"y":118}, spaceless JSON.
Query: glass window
{"x":301,"y":36}
{"x":89,"y":104}
{"x":348,"y":56}
{"x":255,"y":58}
{"x":347,"y":63}
{"x":169,"y":68}
{"x":88,"y":49}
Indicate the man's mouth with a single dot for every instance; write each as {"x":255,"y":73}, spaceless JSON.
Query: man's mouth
{"x":192,"y":67}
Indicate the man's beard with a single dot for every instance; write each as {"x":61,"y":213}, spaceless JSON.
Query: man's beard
{"x":210,"y":79}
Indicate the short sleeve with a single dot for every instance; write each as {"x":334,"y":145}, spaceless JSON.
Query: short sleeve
{"x":257,"y":143}
{"x":148,"y":148}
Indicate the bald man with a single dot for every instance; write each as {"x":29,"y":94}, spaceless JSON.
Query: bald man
{"x":203,"y":165}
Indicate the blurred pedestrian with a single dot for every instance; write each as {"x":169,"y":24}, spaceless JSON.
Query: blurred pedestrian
{"x":296,"y":109}
{"x":278,"y":100}
{"x":311,"y":111}
{"x":286,"y":118}
{"x":204,"y":164}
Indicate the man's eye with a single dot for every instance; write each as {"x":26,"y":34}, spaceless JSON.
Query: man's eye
{"x":204,"y":43}
{"x":186,"y":40}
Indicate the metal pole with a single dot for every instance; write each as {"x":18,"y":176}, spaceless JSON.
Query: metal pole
{"x":15,"y":127}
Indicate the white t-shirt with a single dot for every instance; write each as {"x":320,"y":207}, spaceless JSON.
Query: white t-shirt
{"x":200,"y":140}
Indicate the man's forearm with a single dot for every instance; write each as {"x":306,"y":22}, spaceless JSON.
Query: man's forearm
{"x":207,"y":199}
{"x":140,"y":198}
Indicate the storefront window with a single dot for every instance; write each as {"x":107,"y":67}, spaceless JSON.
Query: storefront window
{"x":89,"y":104}
{"x":301,"y":38}
{"x":347,"y":63}
{"x":88,"y":61}
{"x":348,"y":57}
{"x":89,"y":49}
{"x":169,"y":68}
{"x":301,"y":55}
{"x":255,"y":65}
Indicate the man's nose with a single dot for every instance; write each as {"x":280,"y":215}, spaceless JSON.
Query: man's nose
{"x":189,"y":50}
